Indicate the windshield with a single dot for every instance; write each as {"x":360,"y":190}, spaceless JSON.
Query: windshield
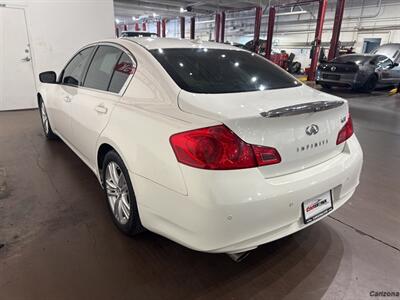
{"x":212,"y":71}
{"x":357,"y":59}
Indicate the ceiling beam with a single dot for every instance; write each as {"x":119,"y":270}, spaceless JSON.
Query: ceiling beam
{"x":166,"y":5}
{"x":134,"y":10}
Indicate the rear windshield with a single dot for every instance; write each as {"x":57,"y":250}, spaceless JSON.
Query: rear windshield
{"x":358,"y":59}
{"x":137,"y":34}
{"x":212,"y":71}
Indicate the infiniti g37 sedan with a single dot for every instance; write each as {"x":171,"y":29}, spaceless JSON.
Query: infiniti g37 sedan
{"x":207,"y":144}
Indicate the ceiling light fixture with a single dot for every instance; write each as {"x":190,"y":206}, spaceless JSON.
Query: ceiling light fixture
{"x":291,"y":13}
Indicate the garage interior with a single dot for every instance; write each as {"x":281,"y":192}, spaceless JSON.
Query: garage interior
{"x":56,"y":237}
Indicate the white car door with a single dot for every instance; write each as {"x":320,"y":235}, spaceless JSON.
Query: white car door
{"x":62,"y":94}
{"x":107,"y":75}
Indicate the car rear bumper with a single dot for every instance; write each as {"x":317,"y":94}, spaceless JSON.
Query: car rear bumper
{"x":235,"y":211}
{"x":344,"y":79}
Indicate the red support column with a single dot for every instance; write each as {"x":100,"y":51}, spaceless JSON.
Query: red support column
{"x":182,"y":27}
{"x":336,"y":29}
{"x":158,"y":28}
{"x":192,"y":27}
{"x":164,"y":26}
{"x":270,"y":31}
{"x":144,"y":27}
{"x":257,"y":26}
{"x":223,"y":17}
{"x":137,"y":28}
{"x":125,"y":27}
{"x":317,"y":40}
{"x":217,"y":26}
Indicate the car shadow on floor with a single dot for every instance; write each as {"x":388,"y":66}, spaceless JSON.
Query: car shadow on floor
{"x":288,"y":267}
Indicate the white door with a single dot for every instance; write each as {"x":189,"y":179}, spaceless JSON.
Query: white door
{"x":91,"y":107}
{"x":17,"y":83}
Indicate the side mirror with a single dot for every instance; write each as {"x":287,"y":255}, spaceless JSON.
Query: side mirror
{"x":48,"y":77}
{"x":394,"y":65}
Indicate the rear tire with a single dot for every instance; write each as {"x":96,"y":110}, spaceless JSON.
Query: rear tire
{"x":370,"y":85}
{"x":120,"y":195}
{"x":48,"y":132}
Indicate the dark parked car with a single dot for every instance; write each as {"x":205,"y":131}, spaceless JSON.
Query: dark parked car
{"x":362,"y":72}
{"x":137,"y":34}
{"x":241,"y":46}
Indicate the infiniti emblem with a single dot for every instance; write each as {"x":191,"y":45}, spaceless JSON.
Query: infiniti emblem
{"x":312,"y":129}
{"x":333,"y":68}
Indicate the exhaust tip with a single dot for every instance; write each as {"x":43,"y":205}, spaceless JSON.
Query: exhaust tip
{"x":238,"y":257}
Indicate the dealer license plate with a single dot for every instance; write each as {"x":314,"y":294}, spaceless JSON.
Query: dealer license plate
{"x":317,"y":207}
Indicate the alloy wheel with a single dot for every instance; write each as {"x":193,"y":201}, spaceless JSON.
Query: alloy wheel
{"x":117,"y":192}
{"x":45,"y":119}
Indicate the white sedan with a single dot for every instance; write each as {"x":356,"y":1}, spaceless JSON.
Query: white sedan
{"x":207,"y":144}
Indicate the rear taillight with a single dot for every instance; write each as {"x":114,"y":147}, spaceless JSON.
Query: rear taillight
{"x":218,"y":148}
{"x":346,"y":132}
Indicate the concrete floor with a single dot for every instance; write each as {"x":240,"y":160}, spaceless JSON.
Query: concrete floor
{"x":57,"y":240}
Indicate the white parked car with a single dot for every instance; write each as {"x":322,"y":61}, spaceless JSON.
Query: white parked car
{"x":207,"y":144}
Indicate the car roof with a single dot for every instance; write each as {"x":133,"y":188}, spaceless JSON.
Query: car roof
{"x":165,"y":43}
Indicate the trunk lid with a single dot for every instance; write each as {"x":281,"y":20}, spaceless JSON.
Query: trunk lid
{"x":336,"y":67}
{"x":243,"y":114}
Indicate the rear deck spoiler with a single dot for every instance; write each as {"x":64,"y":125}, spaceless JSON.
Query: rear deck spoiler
{"x":303,"y":108}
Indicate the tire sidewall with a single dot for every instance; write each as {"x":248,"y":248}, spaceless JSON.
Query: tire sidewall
{"x":370,"y":84}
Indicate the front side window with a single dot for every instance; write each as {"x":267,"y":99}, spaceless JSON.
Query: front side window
{"x":74,"y":71}
{"x":222,"y":71}
{"x":102,"y":68}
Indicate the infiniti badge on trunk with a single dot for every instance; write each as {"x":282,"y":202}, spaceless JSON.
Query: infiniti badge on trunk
{"x":312,"y":129}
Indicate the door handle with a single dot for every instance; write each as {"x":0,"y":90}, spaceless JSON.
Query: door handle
{"x":26,"y":59}
{"x":101,"y":109}
{"x":67,"y":98}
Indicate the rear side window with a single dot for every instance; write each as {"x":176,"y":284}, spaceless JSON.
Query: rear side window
{"x":122,"y":70}
{"x":102,"y":68}
{"x":222,"y":71}
{"x":396,"y":55}
{"x":74,"y":71}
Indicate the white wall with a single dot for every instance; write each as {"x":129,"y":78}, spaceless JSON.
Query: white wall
{"x":58,"y":28}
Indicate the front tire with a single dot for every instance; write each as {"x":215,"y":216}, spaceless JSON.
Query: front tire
{"x":48,"y":132}
{"x":370,"y":85}
{"x":120,"y":195}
